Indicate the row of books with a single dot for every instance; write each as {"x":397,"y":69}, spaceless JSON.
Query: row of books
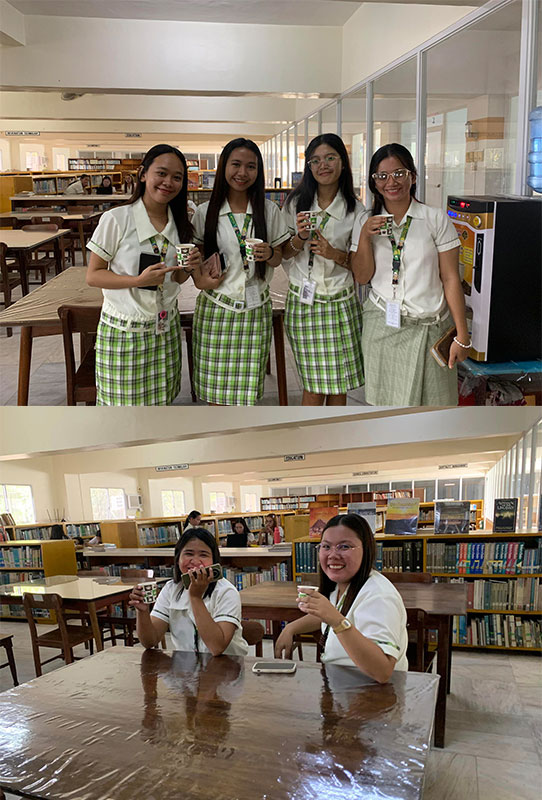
{"x":498,"y":630}
{"x":485,"y":558}
{"x":406,"y":557}
{"x":4,"y":534}
{"x":242,"y":579}
{"x":82,"y":529}
{"x":521,"y":594}
{"x":161,"y":534}
{"x":254,"y":524}
{"x":306,"y":557}
{"x":19,"y":577}
{"x":39,"y":532}
{"x":7,"y":519}
{"x":20,"y":557}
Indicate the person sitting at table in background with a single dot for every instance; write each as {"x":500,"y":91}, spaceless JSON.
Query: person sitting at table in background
{"x":57,"y":532}
{"x":267,"y":533}
{"x":360,"y":612}
{"x":206,"y":617}
{"x":95,"y":540}
{"x":79,"y":186}
{"x":128,"y":184}
{"x":240,"y":527}
{"x":79,"y":541}
{"x":106,"y":186}
{"x":193,"y":520}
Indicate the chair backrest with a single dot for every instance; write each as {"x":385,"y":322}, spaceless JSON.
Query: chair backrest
{"x":253,"y":631}
{"x":50,"y":602}
{"x":75,"y":319}
{"x":416,"y":623}
{"x":128,"y":573}
{"x":237,"y":540}
{"x":409,"y":577}
{"x":46,"y":226}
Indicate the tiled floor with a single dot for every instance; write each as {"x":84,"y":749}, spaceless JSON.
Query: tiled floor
{"x":48,"y":377}
{"x":493,"y":732}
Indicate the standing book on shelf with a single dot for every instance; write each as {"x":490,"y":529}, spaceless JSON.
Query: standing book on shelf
{"x":452,"y":516}
{"x":366,"y":510}
{"x":505,"y":514}
{"x":402,"y":515}
{"x":318,"y":519}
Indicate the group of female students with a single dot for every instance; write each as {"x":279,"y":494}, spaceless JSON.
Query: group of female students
{"x":415,"y":295}
{"x":359,"y":612}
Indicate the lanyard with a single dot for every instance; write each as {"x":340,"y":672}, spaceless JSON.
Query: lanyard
{"x":241,"y":236}
{"x":396,"y":258}
{"x":323,"y":637}
{"x":161,"y":253}
{"x":321,"y":227}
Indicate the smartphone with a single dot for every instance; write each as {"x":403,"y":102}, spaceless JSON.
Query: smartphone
{"x":274,"y":666}
{"x":217,"y":574}
{"x":146,"y":260}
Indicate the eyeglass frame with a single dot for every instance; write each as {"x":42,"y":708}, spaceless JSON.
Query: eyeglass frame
{"x":334,"y":547}
{"x":329,"y":159}
{"x":376,"y":179}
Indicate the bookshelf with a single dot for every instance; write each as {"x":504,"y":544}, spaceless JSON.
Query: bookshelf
{"x":286,"y":503}
{"x":165,"y":531}
{"x":12,"y":183}
{"x":58,"y":182}
{"x":86,"y":530}
{"x":31,"y":559}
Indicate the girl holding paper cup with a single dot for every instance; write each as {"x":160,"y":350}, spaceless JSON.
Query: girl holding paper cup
{"x":233,"y":318}
{"x":360,"y":613}
{"x":323,"y":314}
{"x":416,"y":294}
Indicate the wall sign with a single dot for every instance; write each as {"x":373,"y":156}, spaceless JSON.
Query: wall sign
{"x":295,"y":457}
{"x":171,"y":467}
{"x":22,"y":133}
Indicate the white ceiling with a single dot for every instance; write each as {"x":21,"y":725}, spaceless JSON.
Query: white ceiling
{"x":263,"y":12}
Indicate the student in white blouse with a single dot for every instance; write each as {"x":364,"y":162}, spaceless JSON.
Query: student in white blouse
{"x":416,"y":293}
{"x":323,"y":314}
{"x":360,"y":612}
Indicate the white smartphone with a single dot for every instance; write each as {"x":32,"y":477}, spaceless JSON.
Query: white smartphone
{"x":274,"y":666}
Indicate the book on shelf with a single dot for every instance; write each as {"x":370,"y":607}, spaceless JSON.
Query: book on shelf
{"x":505,"y":513}
{"x":4,"y":534}
{"x":403,"y":557}
{"x":306,"y":557}
{"x":452,"y":516}
{"x":365,"y":510}
{"x":7,"y":519}
{"x":518,"y":557}
{"x":497,"y":630}
{"x":402,"y":515}
{"x":318,"y":519}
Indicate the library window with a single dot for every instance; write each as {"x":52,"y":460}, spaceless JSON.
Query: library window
{"x":17,"y":501}
{"x":218,"y":502}
{"x":251,"y":502}
{"x":429,"y":489}
{"x":472,"y":488}
{"x":448,"y":489}
{"x":108,"y":503}
{"x":173,"y":503}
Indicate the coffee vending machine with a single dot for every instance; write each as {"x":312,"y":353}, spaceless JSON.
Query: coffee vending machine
{"x":500,"y":264}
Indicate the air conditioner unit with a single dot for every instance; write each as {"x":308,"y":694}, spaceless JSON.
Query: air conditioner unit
{"x":134,"y":501}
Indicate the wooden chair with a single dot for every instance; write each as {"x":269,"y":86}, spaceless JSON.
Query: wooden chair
{"x":10,"y":273}
{"x":253,"y":634}
{"x":307,"y":638}
{"x":65,"y":243}
{"x":42,"y":265}
{"x":73,"y":237}
{"x":420,"y":657}
{"x":409,"y":577}
{"x":64,"y":638}
{"x":80,"y":381}
{"x":5,"y":641}
{"x":124,"y":621}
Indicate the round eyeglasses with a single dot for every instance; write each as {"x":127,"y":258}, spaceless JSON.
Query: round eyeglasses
{"x":398,"y":175}
{"x":314,"y":163}
{"x":324,"y":547}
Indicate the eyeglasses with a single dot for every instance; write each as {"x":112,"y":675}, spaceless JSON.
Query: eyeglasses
{"x":339,"y":548}
{"x":314,"y":163}
{"x":397,"y":175}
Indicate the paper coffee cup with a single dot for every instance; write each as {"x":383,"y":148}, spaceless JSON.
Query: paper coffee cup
{"x":249,"y":248}
{"x":302,"y":590}
{"x":386,"y":228}
{"x":150,"y":592}
{"x":183,"y":251}
{"x":313,"y":219}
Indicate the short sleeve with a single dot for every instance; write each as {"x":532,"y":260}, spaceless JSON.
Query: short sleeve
{"x":382,"y":618}
{"x":228,"y":604}
{"x":277,"y":230}
{"x":106,"y":238}
{"x":360,"y":221}
{"x":198,"y":223}
{"x":163,"y":603}
{"x":445,"y":235}
{"x":289,"y":217}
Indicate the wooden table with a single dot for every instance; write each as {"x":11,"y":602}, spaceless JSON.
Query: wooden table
{"x":132,"y":725}
{"x":66,"y":217}
{"x":81,"y":594}
{"x":276,"y":601}
{"x":21,"y":202}
{"x":23,"y":242}
{"x":37,"y":315}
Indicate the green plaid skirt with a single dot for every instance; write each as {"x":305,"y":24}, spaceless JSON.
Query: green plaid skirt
{"x":137,"y":367}
{"x":230,"y":352}
{"x":326,"y":342}
{"x":399,"y":367}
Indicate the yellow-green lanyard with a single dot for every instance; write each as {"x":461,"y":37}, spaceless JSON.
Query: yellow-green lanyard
{"x":313,"y":236}
{"x":323,"y":637}
{"x":241,"y":236}
{"x":161,"y":253}
{"x":396,"y":258}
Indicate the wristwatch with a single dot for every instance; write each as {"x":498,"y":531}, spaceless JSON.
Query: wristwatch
{"x":342,"y":626}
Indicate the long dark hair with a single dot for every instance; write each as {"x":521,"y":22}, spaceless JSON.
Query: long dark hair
{"x":362,"y":529}
{"x":256,"y":195}
{"x":303,"y":194}
{"x":234,"y":522}
{"x":207,"y":538}
{"x":404,"y":156}
{"x":190,"y":517}
{"x":179,"y":204}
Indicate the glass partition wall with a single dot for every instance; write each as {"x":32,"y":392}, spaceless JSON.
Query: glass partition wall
{"x":471,"y":102}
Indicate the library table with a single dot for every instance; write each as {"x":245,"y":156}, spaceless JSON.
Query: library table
{"x":134,"y":724}
{"x":441,"y":601}
{"x":24,"y":242}
{"x":80,"y":219}
{"x":82,"y":594}
{"x":37,"y":315}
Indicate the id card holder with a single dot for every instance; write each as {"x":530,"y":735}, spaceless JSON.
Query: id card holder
{"x":162,"y":322}
{"x":252,"y":295}
{"x":393,"y":314}
{"x":308,"y":290}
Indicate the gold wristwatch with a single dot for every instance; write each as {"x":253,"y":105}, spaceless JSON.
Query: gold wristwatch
{"x":342,"y":626}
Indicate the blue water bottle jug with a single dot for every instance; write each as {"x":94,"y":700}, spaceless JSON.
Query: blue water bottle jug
{"x":535,"y":151}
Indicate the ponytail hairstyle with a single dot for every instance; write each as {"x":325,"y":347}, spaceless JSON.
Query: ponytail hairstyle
{"x":256,"y":195}
{"x":405,"y":157}
{"x":179,"y":204}
{"x":303,"y":194}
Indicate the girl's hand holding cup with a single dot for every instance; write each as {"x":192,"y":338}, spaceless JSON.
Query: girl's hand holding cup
{"x":137,"y":599}
{"x":310,"y":601}
{"x":377,"y":225}
{"x":303,"y":225}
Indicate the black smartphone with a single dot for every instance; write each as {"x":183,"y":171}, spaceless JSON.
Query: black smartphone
{"x":146,"y":260}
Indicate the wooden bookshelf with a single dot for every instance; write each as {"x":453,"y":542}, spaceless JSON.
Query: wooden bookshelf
{"x":13,"y":183}
{"x":121,"y":532}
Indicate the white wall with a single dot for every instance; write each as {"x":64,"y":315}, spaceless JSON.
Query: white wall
{"x":116,"y":480}
{"x":221,"y":486}
{"x":6,"y":155}
{"x":40,"y":475}
{"x":156,"y":485}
